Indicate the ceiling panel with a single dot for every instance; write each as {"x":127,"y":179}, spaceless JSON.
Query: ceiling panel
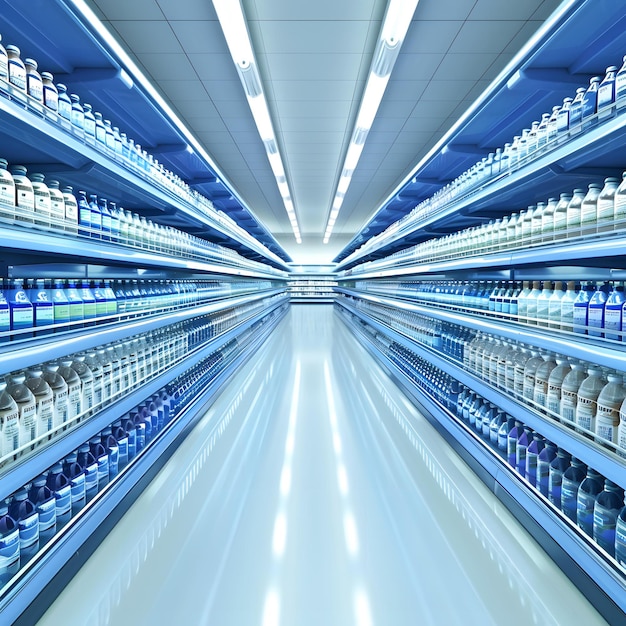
{"x":313,"y":60}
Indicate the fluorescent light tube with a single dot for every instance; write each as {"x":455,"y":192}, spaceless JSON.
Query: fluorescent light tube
{"x":344,"y":183}
{"x":374,"y":91}
{"x":397,"y":20}
{"x":233,"y":23}
{"x":353,"y":156}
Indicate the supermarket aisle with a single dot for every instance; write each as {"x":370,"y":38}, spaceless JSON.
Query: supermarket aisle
{"x":300,"y":500}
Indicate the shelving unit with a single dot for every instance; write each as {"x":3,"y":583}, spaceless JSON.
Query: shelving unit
{"x":248,"y":269}
{"x":375,"y":279}
{"x":312,"y":285}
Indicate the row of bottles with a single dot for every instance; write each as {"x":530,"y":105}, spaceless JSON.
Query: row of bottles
{"x":596,"y":211}
{"x":34,"y":514}
{"x":66,"y":108}
{"x":45,"y":399}
{"x":600,"y":100}
{"x":593,"y":308}
{"x":37,"y":303}
{"x":581,"y":395}
{"x":594,"y":503}
{"x":31,"y":201}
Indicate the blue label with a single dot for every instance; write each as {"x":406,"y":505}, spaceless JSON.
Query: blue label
{"x":569,"y":493}
{"x":122,"y":445}
{"x":9,"y":555}
{"x":585,"y":506}
{"x":132,"y":444}
{"x":103,"y":470}
{"x":29,"y":533}
{"x":580,"y":318}
{"x":604,"y":521}
{"x":91,"y":480}
{"x":77,"y":488}
{"x":63,"y":498}
{"x":114,"y":455}
{"x":47,"y":515}
{"x":620,"y":542}
{"x":543,"y":477}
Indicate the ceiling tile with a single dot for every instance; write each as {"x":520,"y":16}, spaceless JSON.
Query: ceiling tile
{"x":403,"y":90}
{"x":198,"y":10}
{"x":301,"y":109}
{"x":498,"y":10}
{"x":331,"y":10}
{"x":184,"y":90}
{"x":168,"y":66}
{"x":416,"y":66}
{"x":200,"y":37}
{"x":464,"y":66}
{"x":197,"y":108}
{"x":527,"y":30}
{"x":451,"y":90}
{"x":294,"y":124}
{"x":484,"y":36}
{"x":314,"y":66}
{"x":136,"y":10}
{"x":443,"y":10}
{"x":213,"y":66}
{"x":431,"y":36}
{"x":148,"y":36}
{"x":314,"y":90}
{"x":224,"y":90}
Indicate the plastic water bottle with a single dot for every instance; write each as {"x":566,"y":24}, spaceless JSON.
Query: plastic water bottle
{"x":87,"y":400}
{"x":44,"y":400}
{"x":71,"y":210}
{"x":544,"y":460}
{"x":543,"y":304}
{"x":581,"y":308}
{"x":605,"y":513}
{"x":590,"y":103}
{"x":588,"y":491}
{"x":122,"y":437}
{"x":530,"y":370}
{"x":595,"y":313}
{"x":74,"y":388}
{"x":89,"y":300}
{"x":9,"y":545}
{"x":558,"y":467}
{"x":20,"y":308}
{"x":59,"y":388}
{"x":96,"y":217}
{"x":111,"y":446}
{"x":521,"y":450}
{"x":26,"y":406}
{"x":84,"y":215}
{"x":64,"y":104}
{"x":106,"y":219}
{"x":140,"y":429}
{"x":89,"y":464}
{"x":60,"y":486}
{"x":606,"y":205}
{"x":522,"y":308}
{"x":568,"y":302}
{"x":535,"y":447}
{"x":606,"y":94}
{"x":89,"y":123}
{"x":609,"y":403}
{"x":43,"y":206}
{"x":555,"y":384}
{"x":588,"y":392}
{"x":572,"y":478}
{"x":542,"y":377}
{"x":613,"y":313}
{"x":560,"y":217}
{"x":57,"y":205}
{"x":554,"y":305}
{"x":24,"y":512}
{"x":101,"y":455}
{"x":574,"y":215}
{"x":589,"y":210}
{"x":43,"y":499}
{"x":75,"y":473}
{"x":531,"y":303}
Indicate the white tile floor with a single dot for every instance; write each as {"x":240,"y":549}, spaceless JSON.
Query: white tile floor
{"x":299,"y":500}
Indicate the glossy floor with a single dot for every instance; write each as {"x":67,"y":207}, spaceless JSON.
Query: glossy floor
{"x":313,"y":493}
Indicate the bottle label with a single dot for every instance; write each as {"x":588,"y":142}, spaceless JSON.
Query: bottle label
{"x":103,"y":470}
{"x":87,"y":400}
{"x":77,"y":489}
{"x":10,"y":431}
{"x":89,"y":125}
{"x":71,"y":211}
{"x":63,"y":498}
{"x":25,"y":196}
{"x":605,"y":94}
{"x":584,"y":508}
{"x":7,"y":189}
{"x":604,"y":522}
{"x":74,"y":400}
{"x":51,"y":98}
{"x":44,"y":312}
{"x":17,"y":74}
{"x":596,"y":316}
{"x":89,"y":310}
{"x":45,"y":414}
{"x":29,"y":531}
{"x":613,"y":318}
{"x":61,"y":313}
{"x":569,"y":400}
{"x":35,"y":87}
{"x":605,"y":210}
{"x":555,"y":479}
{"x":580,"y":318}
{"x":22,"y":317}
{"x":77,"y":311}
{"x":60,"y":407}
{"x":4,"y":66}
{"x":606,"y":430}
{"x":91,"y":479}
{"x":9,"y":552}
{"x":585,"y":412}
{"x":28,"y":422}
{"x":47,"y":515}
{"x":5,"y":317}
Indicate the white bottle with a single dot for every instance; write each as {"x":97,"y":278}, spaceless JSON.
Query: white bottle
{"x":26,"y":406}
{"x":608,"y":408}
{"x":574,"y":213}
{"x":554,"y":305}
{"x":543,"y":304}
{"x":44,"y":399}
{"x":59,"y":394}
{"x":567,"y":307}
{"x":9,"y":423}
{"x":586,"y":406}
{"x":24,"y":195}
{"x":57,"y":205}
{"x":560,"y":217}
{"x":531,"y":303}
{"x":43,"y":207}
{"x":7,"y":191}
{"x":606,"y":205}
{"x":589,"y":210}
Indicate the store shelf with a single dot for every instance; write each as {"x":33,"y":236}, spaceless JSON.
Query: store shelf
{"x":24,"y":469}
{"x":597,"y":577}
{"x":49,"y":347}
{"x":600,"y":352}
{"x":29,"y":594}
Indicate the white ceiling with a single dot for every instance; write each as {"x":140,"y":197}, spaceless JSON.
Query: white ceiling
{"x":314,"y":58}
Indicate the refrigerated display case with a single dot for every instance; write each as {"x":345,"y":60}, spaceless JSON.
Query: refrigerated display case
{"x":139,"y":314}
{"x":442,"y":296}
{"x":312,"y":284}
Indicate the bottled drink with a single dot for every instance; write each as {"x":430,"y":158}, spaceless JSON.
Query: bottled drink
{"x":76,"y":304}
{"x":7,"y":191}
{"x":71,"y":210}
{"x":567,"y":307}
{"x":542,"y":377}
{"x":76,"y":475}
{"x":521,"y":450}
{"x":620,"y":537}
{"x":554,"y":305}
{"x":89,"y":300}
{"x":26,"y":407}
{"x":503,"y":433}
{"x":555,"y":383}
{"x":89,"y":464}
{"x":545,"y":459}
{"x":9,"y":423}
{"x":59,"y":484}
{"x":89,"y":122}
{"x":111,"y":446}
{"x":57,"y":205}
{"x":74,"y":390}
{"x":61,"y":305}
{"x":20,"y":308}
{"x":535,"y":448}
{"x":85,"y":375}
{"x":101,"y":455}
{"x":620,"y":85}
{"x":606,"y":205}
{"x":572,"y":478}
{"x":558,"y":467}
{"x":606,"y":94}
{"x":581,"y":308}
{"x":574,"y":213}
{"x":588,"y":491}
{"x":17,"y":70}
{"x":57,"y":384}
{"x":560,"y":216}
{"x":589,"y":210}
{"x":64,"y":103}
{"x":588,"y":392}
{"x":595,"y":311}
{"x":24,"y":512}
{"x":4,"y":62}
{"x":122,"y":436}
{"x":43,"y":307}
{"x":9,"y":545}
{"x":590,"y":103}
{"x":44,"y":400}
{"x":77,"y":115}
{"x":569,"y":391}
{"x":543,"y":304}
{"x":605,"y":513}
{"x":608,"y":409}
{"x":84,"y":215}
{"x":522,"y":308}
{"x":96,"y":217}
{"x":100,"y":130}
{"x":43,"y":205}
{"x":531,"y":303}
{"x":613,"y":311}
{"x":43,"y":499}
{"x":530,"y":370}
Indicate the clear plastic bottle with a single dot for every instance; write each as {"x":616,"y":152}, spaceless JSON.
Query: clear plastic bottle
{"x":590,"y":104}
{"x":581,"y":308}
{"x":572,"y":478}
{"x":558,"y":467}
{"x":606,"y":94}
{"x":535,"y":448}
{"x":71,"y":210}
{"x":574,"y":214}
{"x":100,"y":129}
{"x":513,"y":435}
{"x":606,"y":205}
{"x":9,"y":422}
{"x":605,"y":515}
{"x":554,"y":305}
{"x":560,"y":217}
{"x":609,"y":403}
{"x":569,"y":391}
{"x":555,"y":384}
{"x":588,"y":492}
{"x":34,"y":84}
{"x":521,"y":450}
{"x":531,"y":303}
{"x":57,"y":205}
{"x":64,"y":103}
{"x":542,"y":377}
{"x":547,"y":220}
{"x":588,"y":392}
{"x":543,"y":304}
{"x":589,"y":210}
{"x":74,"y":389}
{"x":595,"y":311}
{"x":613,"y":312}
{"x":59,"y":394}
{"x":24,"y":512}
{"x":26,"y":406}
{"x":89,"y":122}
{"x":567,"y":306}
{"x":17,"y":71}
{"x":544,"y":461}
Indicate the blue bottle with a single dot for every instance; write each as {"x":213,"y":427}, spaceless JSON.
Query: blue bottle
{"x":75,"y":473}
{"x":605,"y":514}
{"x":106,"y":219}
{"x":115,"y":222}
{"x":588,"y":492}
{"x":84,"y":215}
{"x":76,"y":304}
{"x":96,"y":217}
{"x":572,"y":477}
{"x":535,"y":448}
{"x":5,"y":316}
{"x":511,"y":442}
{"x":581,"y":308}
{"x":521,"y":450}
{"x":101,"y":455}
{"x":595,"y":313}
{"x":503,"y":433}
{"x":494,"y":427}
{"x":613,"y":312}
{"x":576,"y":110}
{"x":43,"y":499}
{"x":590,"y":104}
{"x":60,"y":486}
{"x":546,"y":456}
{"x":89,"y":301}
{"x":111,"y":298}
{"x":24,"y":512}
{"x":9,"y":545}
{"x":140,"y":429}
{"x":606,"y":93}
{"x":121,"y":436}
{"x":20,"y":308}
{"x":43,"y":308}
{"x":89,"y":463}
{"x":113,"y":450}
{"x":620,"y":537}
{"x":61,"y":304}
{"x":150,"y":422}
